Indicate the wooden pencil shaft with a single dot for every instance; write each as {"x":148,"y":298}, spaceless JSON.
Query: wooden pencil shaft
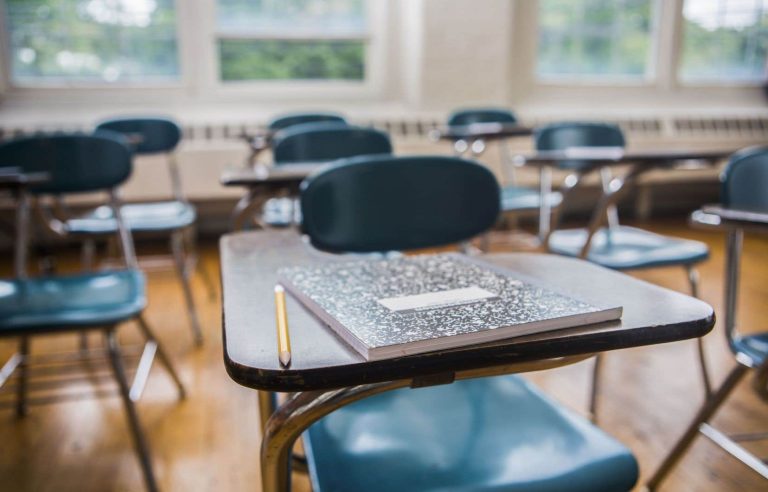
{"x":281,"y":315}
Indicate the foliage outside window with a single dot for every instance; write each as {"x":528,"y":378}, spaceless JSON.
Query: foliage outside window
{"x":291,"y":39}
{"x":725,"y":40}
{"x":97,"y":41}
{"x":594,"y":39}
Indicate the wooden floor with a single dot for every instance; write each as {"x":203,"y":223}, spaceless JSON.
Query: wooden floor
{"x":210,"y":441}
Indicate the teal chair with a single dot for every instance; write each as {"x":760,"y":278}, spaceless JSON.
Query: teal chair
{"x":617,"y":247}
{"x":318,"y":141}
{"x":174,"y":218}
{"x":489,"y":434}
{"x":514,"y":199}
{"x":470,"y":116}
{"x":283,"y":121}
{"x":327,"y":141}
{"x":91,"y":301}
{"x":744,"y":186}
{"x":261,"y":142}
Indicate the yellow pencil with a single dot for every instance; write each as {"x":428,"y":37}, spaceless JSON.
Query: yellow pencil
{"x":283,"y":339}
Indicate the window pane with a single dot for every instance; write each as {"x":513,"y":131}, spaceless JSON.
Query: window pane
{"x":725,"y":40}
{"x":93,"y":40}
{"x":270,"y":59}
{"x":587,"y":38}
{"x":291,"y":39}
{"x":295,"y":16}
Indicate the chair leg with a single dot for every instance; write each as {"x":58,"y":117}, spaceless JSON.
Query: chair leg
{"x":139,"y":440}
{"x":693,"y":280}
{"x":595,"y":390}
{"x":87,"y":256}
{"x":190,"y":236}
{"x":23,"y":367}
{"x":163,"y":356}
{"x":705,"y":413}
{"x":177,"y":247}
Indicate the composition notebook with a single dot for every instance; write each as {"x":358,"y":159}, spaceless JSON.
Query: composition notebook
{"x":408,"y":305}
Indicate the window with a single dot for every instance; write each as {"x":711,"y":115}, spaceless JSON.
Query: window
{"x":291,"y":39}
{"x":92,"y":40}
{"x":724,"y":40}
{"x":594,"y":38}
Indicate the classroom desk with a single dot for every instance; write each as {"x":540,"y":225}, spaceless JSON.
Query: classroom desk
{"x":257,"y":143}
{"x":262,"y":183}
{"x":730,"y":219}
{"x":592,"y":159}
{"x":480,"y":131}
{"x":326,"y":374}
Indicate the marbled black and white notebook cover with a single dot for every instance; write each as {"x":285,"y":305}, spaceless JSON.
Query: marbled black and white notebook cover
{"x":408,"y":305}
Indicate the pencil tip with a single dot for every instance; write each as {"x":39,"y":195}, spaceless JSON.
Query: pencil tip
{"x":285,"y":358}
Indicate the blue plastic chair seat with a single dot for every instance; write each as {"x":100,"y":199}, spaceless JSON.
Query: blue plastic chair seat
{"x":629,"y":248}
{"x":516,"y":198}
{"x":139,"y":217}
{"x":482,"y":435}
{"x":63,"y":302}
{"x":754,"y":346}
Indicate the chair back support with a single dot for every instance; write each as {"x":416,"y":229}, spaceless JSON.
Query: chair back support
{"x":76,"y":163}
{"x":284,"y":121}
{"x":745,"y":180}
{"x":744,"y":187}
{"x":151,"y":135}
{"x":385,"y":203}
{"x":327,"y":141}
{"x":469,"y":116}
{"x":560,"y":136}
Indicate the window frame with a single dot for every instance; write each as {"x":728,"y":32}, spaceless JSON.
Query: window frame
{"x":681,"y":82}
{"x":197,"y":41}
{"x":374,"y":39}
{"x":56,"y":85}
{"x":649,"y":78}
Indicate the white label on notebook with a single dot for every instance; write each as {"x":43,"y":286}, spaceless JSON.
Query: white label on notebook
{"x":432,"y":300}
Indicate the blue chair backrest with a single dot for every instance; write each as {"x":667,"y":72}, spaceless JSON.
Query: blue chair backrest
{"x":327,"y":141}
{"x":469,"y":116}
{"x":76,"y":163}
{"x":560,"y":136}
{"x":284,"y":121}
{"x":154,"y":134}
{"x":745,"y":180}
{"x":386,"y":203}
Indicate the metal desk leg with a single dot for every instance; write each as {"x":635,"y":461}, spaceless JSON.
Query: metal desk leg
{"x":251,"y":201}
{"x":693,"y":281}
{"x":294,"y":417}
{"x":545,"y":208}
{"x":612,"y":213}
{"x":139,"y":440}
{"x":267,"y":406}
{"x":21,"y":389}
{"x":179,"y":256}
{"x":707,"y":411}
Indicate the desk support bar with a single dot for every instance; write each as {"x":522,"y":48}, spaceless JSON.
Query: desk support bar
{"x":303,"y":409}
{"x":294,"y":417}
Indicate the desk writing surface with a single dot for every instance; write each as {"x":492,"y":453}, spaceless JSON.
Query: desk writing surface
{"x":650,"y":157}
{"x":717,"y":217}
{"x":12,"y":178}
{"x":320,"y":360}
{"x":488,"y":131}
{"x":736,"y":215}
{"x":270,"y":175}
